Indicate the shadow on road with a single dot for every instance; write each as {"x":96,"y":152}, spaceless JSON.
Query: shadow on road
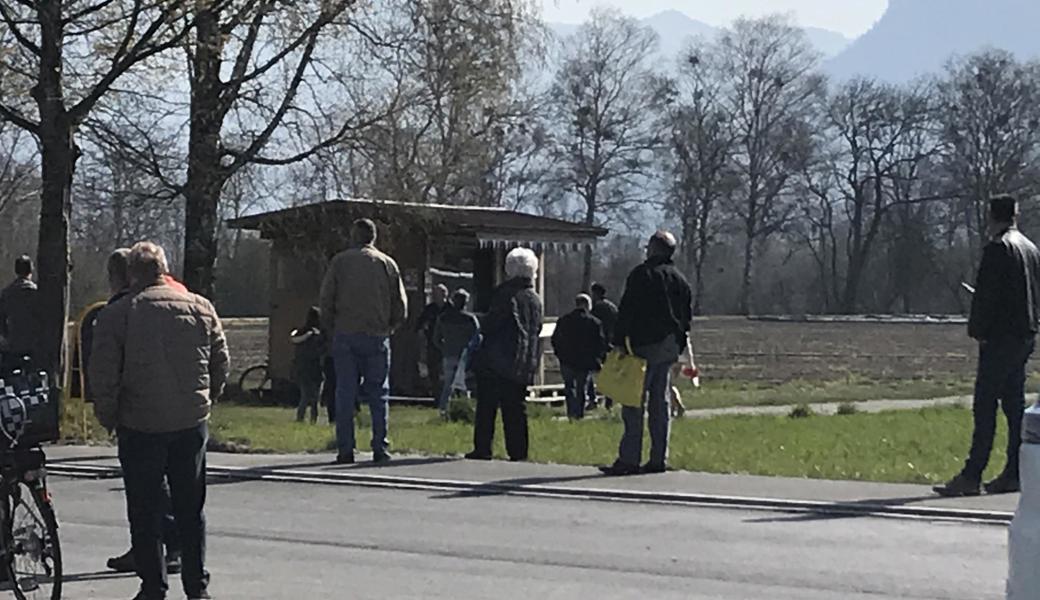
{"x":505,"y":487}
{"x":96,"y":576}
{"x":844,"y":510}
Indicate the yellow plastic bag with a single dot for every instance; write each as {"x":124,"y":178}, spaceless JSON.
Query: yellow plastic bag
{"x":622,"y":378}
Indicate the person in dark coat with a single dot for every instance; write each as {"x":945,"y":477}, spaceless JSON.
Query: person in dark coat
{"x":580,"y":346}
{"x":456,"y":332}
{"x":19,"y":316}
{"x":308,"y":363}
{"x":604,"y":310}
{"x":654,"y":321}
{"x":428,"y":318}
{"x":1004,"y":320}
{"x":508,"y":358}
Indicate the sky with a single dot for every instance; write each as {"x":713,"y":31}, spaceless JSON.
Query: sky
{"x":853,"y":18}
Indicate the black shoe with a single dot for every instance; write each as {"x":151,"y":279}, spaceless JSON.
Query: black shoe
{"x":381,"y":458}
{"x":1003,"y":485}
{"x":958,"y":487}
{"x":653,"y":468}
{"x":477,"y":456}
{"x":124,"y":563}
{"x":517,"y":459}
{"x":200,"y":596}
{"x":173,"y":563}
{"x":144,"y":596}
{"x":619,"y":469}
{"x":345,"y":459}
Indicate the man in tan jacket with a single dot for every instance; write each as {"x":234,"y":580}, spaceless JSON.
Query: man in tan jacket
{"x":363,"y":302}
{"x":159,"y":360}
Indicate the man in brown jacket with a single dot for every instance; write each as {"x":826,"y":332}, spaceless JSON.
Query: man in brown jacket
{"x":363,"y":302}
{"x":159,"y":360}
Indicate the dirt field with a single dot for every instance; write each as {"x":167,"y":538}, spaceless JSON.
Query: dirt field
{"x":742,"y":349}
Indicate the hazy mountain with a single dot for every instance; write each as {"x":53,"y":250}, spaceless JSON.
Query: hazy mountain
{"x":918,"y":36}
{"x":676,"y":28}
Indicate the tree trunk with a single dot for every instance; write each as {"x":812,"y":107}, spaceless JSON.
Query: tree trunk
{"x":749,"y":262}
{"x":586,"y":273}
{"x":58,"y":158}
{"x":206,"y":176}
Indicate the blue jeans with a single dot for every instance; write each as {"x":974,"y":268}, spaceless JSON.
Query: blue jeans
{"x":656,"y":387}
{"x":577,"y":390}
{"x":362,"y":374}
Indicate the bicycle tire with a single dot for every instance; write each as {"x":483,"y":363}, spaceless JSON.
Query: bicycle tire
{"x":35,"y":566}
{"x":246,"y":382}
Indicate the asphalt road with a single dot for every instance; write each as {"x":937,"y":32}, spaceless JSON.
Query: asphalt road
{"x":295,"y":542}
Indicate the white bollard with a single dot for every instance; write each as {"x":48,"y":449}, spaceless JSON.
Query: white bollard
{"x":1024,"y":536}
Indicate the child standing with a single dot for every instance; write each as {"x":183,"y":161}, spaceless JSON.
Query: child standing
{"x":308,"y":362}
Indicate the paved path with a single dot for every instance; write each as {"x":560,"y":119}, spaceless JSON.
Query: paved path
{"x":831,"y":408}
{"x":277,"y":541}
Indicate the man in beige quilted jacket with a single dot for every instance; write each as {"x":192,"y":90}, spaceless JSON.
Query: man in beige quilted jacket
{"x":159,"y":360}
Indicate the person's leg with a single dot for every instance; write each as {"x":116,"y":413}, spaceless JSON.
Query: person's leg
{"x":570,"y":392}
{"x":450,"y":366}
{"x":630,"y":450}
{"x":1013,"y":401}
{"x":484,"y":421}
{"x":514,"y":419}
{"x":143,"y":460}
{"x":375,"y":389}
{"x":301,"y":405}
{"x":328,"y":390}
{"x":581,"y":390}
{"x":171,"y":538}
{"x":348,"y":379}
{"x":988,"y":385}
{"x":310,"y":392}
{"x":186,"y":470}
{"x":591,"y":392}
{"x":658,"y":384}
{"x":434,"y":359}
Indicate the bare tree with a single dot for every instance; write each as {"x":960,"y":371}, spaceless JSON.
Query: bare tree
{"x":770,"y":88}
{"x":991,"y":127}
{"x":61,"y":58}
{"x":699,"y":161}
{"x":604,"y":99}
{"x":877,"y":136}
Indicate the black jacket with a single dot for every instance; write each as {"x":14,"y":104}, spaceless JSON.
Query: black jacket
{"x":20,"y":318}
{"x":455,"y":331}
{"x":511,"y":347}
{"x":579,"y":341}
{"x":657,"y":303}
{"x":1007,"y":289}
{"x":606,"y":311}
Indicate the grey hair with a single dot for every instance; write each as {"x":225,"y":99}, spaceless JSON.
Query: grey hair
{"x":521,"y":262}
{"x":583,"y":301}
{"x":147,"y":262}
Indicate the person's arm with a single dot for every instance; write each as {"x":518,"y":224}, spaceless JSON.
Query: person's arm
{"x":437,"y":338}
{"x":106,"y":364}
{"x":398,"y":297}
{"x":987,"y":292}
{"x":219,"y":357}
{"x":626,"y":309}
{"x":3,"y":317}
{"x":327,"y":298}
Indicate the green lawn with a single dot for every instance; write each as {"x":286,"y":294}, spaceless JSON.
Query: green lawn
{"x":922,"y":446}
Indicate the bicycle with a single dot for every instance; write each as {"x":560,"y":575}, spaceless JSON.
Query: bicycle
{"x":30,"y":551}
{"x":256,"y":382}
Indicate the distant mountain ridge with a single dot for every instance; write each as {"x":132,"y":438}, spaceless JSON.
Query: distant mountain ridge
{"x":676,"y":29}
{"x":916,"y":37}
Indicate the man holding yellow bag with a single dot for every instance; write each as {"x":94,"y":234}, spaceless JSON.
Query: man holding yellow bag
{"x":653,"y":324}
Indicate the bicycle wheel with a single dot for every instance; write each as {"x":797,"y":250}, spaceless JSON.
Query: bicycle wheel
{"x":36,"y":553}
{"x":255,"y":382}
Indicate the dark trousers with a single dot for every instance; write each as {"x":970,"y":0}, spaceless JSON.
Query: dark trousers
{"x":494,"y":392}
{"x":328,"y":391}
{"x":577,"y":390}
{"x":180,"y":458}
{"x":434,"y":370}
{"x":1001,"y":378}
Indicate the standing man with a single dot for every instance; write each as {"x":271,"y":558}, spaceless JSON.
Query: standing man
{"x":431,"y":313}
{"x":1004,"y":313}
{"x":654,"y":320}
{"x":580,"y":346}
{"x":606,"y":311}
{"x":456,"y":333}
{"x":19,"y":322}
{"x":509,"y":355}
{"x":158,"y":362}
{"x":119,"y":286}
{"x":363,"y":301}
